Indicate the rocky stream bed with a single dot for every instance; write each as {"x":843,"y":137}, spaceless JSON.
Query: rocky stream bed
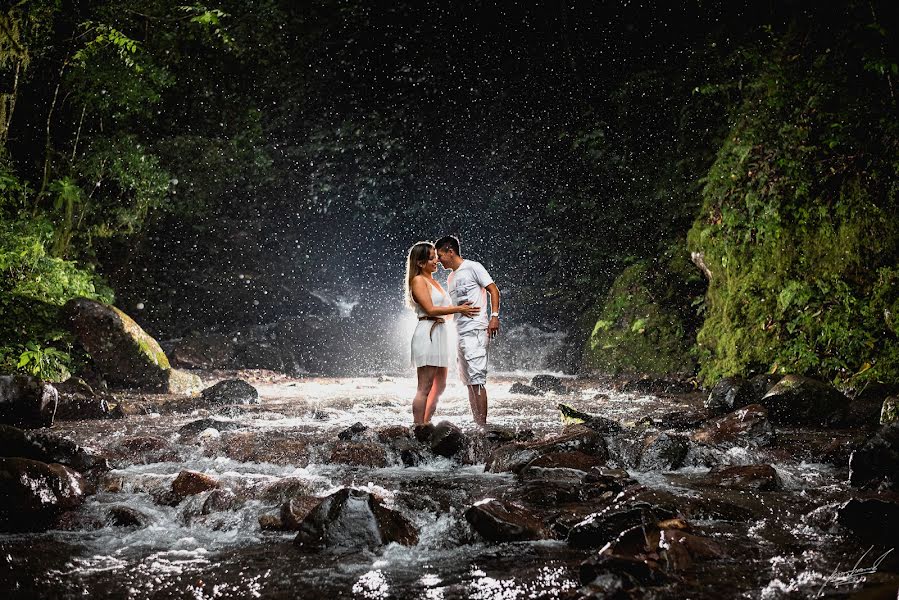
{"x":318,"y":488}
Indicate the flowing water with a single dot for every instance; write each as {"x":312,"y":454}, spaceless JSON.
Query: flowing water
{"x":184,"y":551}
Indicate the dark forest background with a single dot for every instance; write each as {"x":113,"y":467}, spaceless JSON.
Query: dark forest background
{"x":696,"y":188}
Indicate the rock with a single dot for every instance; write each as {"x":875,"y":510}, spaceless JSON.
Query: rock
{"x":125,"y":353}
{"x":576,"y":460}
{"x":295,"y":510}
{"x":872,"y":520}
{"x":230,"y":391}
{"x":447,"y":440}
{"x":390,"y":434}
{"x":191,"y":483}
{"x":601,"y":528}
{"x":423,"y":432}
{"x":125,"y":516}
{"x":729,"y":394}
{"x":35,"y":492}
{"x":761,"y":384}
{"x":195,"y":427}
{"x":353,"y":432}
{"x":521,"y":388}
{"x":571,"y":415}
{"x":276,"y":447}
{"x":48,"y":447}
{"x":877,"y":461}
{"x":758,"y":478}
{"x":516,"y":456}
{"x":548,"y":383}
{"x":359,"y":454}
{"x":353,"y":520}
{"x":663,"y":452}
{"x":219,"y":500}
{"x":802,"y":401}
{"x":77,"y":401}
{"x":26,"y":401}
{"x":889,"y":412}
{"x":503,"y":521}
{"x":270,"y":523}
{"x":748,"y":426}
{"x":680,"y":549}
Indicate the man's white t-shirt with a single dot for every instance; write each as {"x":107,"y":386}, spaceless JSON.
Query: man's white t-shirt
{"x":468,"y":283}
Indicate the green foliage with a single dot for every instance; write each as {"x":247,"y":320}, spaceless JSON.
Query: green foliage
{"x":798,"y":225}
{"x":648,"y":319}
{"x":48,"y":364}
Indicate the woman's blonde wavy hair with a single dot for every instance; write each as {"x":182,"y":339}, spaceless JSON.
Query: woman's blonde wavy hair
{"x":419,"y":252}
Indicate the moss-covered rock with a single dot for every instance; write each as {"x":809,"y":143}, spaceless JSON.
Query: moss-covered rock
{"x":648,"y":319}
{"x":126,"y":354}
{"x":798,"y":231}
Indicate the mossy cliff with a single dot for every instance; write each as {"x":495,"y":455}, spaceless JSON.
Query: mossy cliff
{"x":647,"y":322}
{"x":798,"y":231}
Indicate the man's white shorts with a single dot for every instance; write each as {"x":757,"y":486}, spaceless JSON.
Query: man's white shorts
{"x":473,"y":357}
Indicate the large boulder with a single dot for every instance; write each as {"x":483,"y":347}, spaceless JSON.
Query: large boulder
{"x":78,"y":401}
{"x":35,"y":492}
{"x":663,"y":452}
{"x":447,"y":440}
{"x":503,"y":521}
{"x":517,"y":456}
{"x":747,"y":426}
{"x":801,"y":401}
{"x":48,"y":447}
{"x":353,"y":520}
{"x":26,"y":401}
{"x":876,"y":463}
{"x":230,"y":391}
{"x":127,"y":356}
{"x":729,"y":394}
{"x":872,"y":520}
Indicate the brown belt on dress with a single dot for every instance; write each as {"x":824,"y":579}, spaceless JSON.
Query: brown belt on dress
{"x":437,"y":321}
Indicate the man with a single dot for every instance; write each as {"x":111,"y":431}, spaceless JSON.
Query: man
{"x":469,"y":281}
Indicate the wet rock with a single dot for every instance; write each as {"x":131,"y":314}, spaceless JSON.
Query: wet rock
{"x":78,"y":401}
{"x":663,"y":452}
{"x":889,"y":411}
{"x":872,"y":520}
{"x":295,"y":510}
{"x":503,"y":521}
{"x":516,"y":456}
{"x":761,"y":384}
{"x":191,"y":483}
{"x":548,"y":383}
{"x":876,"y":463}
{"x":270,"y":522}
{"x":230,"y":391}
{"x":729,"y":394}
{"x":195,"y":427}
{"x":758,"y":478}
{"x":353,"y":520}
{"x":26,"y":401}
{"x":359,"y":454}
{"x":651,"y":385}
{"x":276,"y":447}
{"x":354,"y":432}
{"x":600,"y":528}
{"x":388,"y":435}
{"x":220,"y":500}
{"x":680,"y":420}
{"x":447,"y":440}
{"x":35,"y":492}
{"x":49,"y":448}
{"x":125,"y":516}
{"x":601,"y":424}
{"x":423,"y":432}
{"x":575,"y":459}
{"x":679,"y":549}
{"x":796,"y":401}
{"x":748,"y":426}
{"x":125,"y":353}
{"x":612,"y":575}
{"x":523,"y":388}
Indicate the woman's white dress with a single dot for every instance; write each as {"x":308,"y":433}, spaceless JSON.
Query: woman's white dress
{"x":432,"y":348}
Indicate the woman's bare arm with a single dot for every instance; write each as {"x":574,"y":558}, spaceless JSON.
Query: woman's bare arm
{"x":421,"y":293}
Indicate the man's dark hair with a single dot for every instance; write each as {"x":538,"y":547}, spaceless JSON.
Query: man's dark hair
{"x":448,"y":242}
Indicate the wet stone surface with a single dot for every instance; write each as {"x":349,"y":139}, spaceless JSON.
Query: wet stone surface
{"x":680,"y":503}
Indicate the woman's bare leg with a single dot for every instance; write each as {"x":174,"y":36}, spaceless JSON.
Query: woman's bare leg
{"x":426,"y":376}
{"x":434,"y":395}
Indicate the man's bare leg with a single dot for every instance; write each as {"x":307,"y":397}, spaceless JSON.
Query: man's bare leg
{"x":477,"y":398}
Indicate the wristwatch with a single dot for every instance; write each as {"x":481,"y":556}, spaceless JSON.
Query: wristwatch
{"x":496,"y":314}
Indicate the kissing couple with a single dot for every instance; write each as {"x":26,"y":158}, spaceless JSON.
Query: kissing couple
{"x":465,"y":299}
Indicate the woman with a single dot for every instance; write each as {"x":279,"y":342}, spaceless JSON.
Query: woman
{"x":430,"y":342}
